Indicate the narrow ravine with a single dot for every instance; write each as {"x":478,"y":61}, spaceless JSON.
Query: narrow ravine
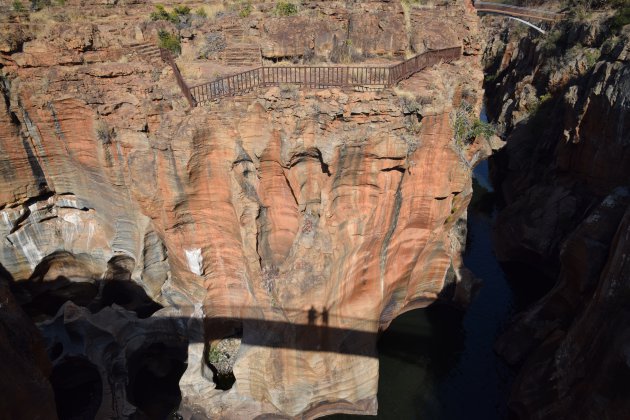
{"x":478,"y":384}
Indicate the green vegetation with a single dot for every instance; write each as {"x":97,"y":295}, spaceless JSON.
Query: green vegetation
{"x":544,"y":98}
{"x":102,"y":132}
{"x":286,"y":9}
{"x":245,"y":8}
{"x":621,"y":7}
{"x":18,"y":6}
{"x":609,"y":45}
{"x":161,"y":13}
{"x":35,"y":5}
{"x":214,"y":355}
{"x":622,"y":18}
{"x":591,"y":56}
{"x":467,"y":126}
{"x":489,"y":78}
{"x":169,"y":41}
{"x":598,"y":4}
{"x":181,"y":10}
{"x":540,"y":101}
{"x":40,"y":4}
{"x":552,"y":40}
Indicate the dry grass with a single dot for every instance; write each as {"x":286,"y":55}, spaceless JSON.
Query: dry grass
{"x":42,"y":22}
{"x":419,"y":3}
{"x":212,"y":9}
{"x":403,"y":93}
{"x":48,"y":17}
{"x":405,"y":8}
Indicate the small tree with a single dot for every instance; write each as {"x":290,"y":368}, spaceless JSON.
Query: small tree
{"x":467,"y":126}
{"x":160,"y":13}
{"x":178,"y":14}
{"x":286,"y":9}
{"x":170,"y":41}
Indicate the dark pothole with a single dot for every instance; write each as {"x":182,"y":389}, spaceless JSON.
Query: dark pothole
{"x":220,"y":358}
{"x":119,"y":289}
{"x":220,"y":355}
{"x":154,"y":374}
{"x":128,"y":295}
{"x":78,"y":389}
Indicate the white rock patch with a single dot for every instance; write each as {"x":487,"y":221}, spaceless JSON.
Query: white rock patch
{"x":195,"y":260}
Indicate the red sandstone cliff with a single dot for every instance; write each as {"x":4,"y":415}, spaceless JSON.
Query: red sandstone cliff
{"x":249,"y":211}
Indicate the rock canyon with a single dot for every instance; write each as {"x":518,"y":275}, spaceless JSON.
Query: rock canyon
{"x":237,"y":259}
{"x":240,"y":256}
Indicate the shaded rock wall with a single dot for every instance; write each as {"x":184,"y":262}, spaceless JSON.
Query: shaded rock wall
{"x":563,"y":102}
{"x":25,"y":362}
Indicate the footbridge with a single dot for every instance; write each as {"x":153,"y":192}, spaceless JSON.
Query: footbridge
{"x":517,"y":11}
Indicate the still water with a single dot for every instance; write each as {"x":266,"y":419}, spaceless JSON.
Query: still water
{"x":438,"y":363}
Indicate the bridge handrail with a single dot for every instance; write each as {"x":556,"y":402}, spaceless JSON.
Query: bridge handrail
{"x":510,"y":10}
{"x":510,"y":6}
{"x":320,"y":76}
{"x":167,"y":57}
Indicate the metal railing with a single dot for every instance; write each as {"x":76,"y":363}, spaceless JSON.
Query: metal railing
{"x":517,"y":11}
{"x":319,"y":77}
{"x":168,"y":58}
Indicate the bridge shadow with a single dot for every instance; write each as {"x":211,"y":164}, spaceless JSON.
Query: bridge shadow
{"x":101,"y":332}
{"x":290,"y":335}
{"x":299,"y":329}
{"x":87,"y":323}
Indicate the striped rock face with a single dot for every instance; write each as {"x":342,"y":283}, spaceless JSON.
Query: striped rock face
{"x":297,"y":223}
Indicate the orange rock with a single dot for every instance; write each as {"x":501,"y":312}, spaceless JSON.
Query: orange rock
{"x":257,"y":208}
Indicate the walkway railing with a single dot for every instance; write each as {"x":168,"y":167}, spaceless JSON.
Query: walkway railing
{"x":517,"y":11}
{"x":168,"y":58}
{"x":319,"y":77}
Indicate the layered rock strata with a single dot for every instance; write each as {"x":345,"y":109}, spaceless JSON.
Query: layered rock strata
{"x":300,"y":222}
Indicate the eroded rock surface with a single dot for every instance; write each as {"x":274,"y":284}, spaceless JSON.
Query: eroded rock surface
{"x":297,"y":223}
